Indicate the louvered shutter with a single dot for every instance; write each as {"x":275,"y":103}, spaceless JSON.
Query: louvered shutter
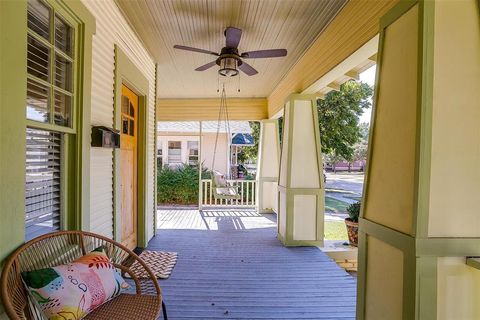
{"x":43,"y":166}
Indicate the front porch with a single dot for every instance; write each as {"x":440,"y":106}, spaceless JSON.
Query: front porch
{"x":231,"y":265}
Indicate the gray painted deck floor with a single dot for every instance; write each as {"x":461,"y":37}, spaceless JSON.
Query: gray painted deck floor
{"x":231,"y":266}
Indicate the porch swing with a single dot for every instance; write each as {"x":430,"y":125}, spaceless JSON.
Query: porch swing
{"x":221,"y":188}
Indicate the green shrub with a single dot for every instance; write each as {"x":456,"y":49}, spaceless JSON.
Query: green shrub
{"x":178,"y":185}
{"x":353,"y":211}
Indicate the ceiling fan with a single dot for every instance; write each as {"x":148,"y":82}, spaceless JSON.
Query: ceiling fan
{"x":229,"y":58}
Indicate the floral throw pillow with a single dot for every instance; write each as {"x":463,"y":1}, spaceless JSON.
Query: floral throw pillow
{"x":72,"y":290}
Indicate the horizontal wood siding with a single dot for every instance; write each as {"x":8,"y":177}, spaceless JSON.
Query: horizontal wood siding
{"x":112,"y":28}
{"x":207,"y":109}
{"x":356,"y":23}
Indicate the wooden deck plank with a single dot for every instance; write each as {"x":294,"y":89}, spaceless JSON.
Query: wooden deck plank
{"x":231,"y":266}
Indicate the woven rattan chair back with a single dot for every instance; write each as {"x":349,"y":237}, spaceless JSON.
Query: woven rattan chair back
{"x":60,"y":248}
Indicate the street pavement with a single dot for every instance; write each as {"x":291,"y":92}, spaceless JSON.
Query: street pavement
{"x":351,"y":182}
{"x":344,"y":187}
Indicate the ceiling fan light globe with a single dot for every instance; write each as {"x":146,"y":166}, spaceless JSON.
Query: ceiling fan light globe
{"x":227,"y":72}
{"x":228,"y":67}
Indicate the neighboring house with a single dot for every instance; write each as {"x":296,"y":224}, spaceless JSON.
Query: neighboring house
{"x":178,"y":143}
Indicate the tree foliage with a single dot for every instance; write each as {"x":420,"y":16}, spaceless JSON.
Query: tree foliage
{"x":360,"y":149}
{"x":250,"y":153}
{"x":338,"y":116}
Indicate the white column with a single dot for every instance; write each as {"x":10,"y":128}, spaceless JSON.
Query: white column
{"x":200,"y":162}
{"x":268,"y":167}
{"x":300,"y":189}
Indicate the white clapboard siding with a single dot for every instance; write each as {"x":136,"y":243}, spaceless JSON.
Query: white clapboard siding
{"x":112,"y":28}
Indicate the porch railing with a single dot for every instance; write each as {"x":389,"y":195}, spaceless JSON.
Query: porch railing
{"x":246,"y":190}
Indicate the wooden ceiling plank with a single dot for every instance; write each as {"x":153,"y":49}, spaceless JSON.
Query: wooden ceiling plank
{"x":200,"y":23}
{"x":345,"y":35}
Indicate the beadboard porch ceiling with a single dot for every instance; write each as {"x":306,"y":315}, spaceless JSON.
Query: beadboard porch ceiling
{"x":266,"y":24}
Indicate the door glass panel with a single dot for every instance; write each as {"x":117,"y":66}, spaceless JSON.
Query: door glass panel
{"x":63,"y":73}
{"x":132,"y":110}
{"x":132,"y":127}
{"x":63,"y":109}
{"x":63,"y":36}
{"x":39,"y":18}
{"x":125,"y":102}
{"x":38,"y":59}
{"x":38,"y":97}
{"x":124,"y":125}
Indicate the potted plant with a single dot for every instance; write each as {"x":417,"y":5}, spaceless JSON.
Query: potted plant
{"x":351,"y":222}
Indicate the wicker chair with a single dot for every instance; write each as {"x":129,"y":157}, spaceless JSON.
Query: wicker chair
{"x":63,"y":247}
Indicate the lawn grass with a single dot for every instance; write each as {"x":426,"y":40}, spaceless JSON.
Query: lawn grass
{"x":334,"y":205}
{"x":335,"y":230}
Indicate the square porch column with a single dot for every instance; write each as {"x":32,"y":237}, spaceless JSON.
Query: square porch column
{"x":268,"y":166}
{"x":420,"y":219}
{"x":300,"y":189}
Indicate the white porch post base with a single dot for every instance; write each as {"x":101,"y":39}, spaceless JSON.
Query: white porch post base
{"x":268,"y":166}
{"x":300,"y":190}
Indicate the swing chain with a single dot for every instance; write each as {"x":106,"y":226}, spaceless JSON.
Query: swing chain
{"x":222,"y":112}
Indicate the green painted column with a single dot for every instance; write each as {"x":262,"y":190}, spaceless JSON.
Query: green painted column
{"x":300,"y":187}
{"x":419,"y":219}
{"x":268,"y":166}
{"x":13,"y":94}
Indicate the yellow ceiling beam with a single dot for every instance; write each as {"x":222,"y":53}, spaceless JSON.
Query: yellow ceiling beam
{"x":355,"y":25}
{"x":334,"y":86}
{"x":352,"y":74}
{"x":207,"y":109}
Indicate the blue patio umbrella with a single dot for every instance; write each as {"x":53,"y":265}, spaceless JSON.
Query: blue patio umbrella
{"x":242,"y":139}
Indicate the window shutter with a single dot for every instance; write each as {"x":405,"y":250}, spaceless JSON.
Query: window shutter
{"x":43,"y":165}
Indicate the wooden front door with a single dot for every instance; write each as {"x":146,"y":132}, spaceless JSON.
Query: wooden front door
{"x":128,"y":165}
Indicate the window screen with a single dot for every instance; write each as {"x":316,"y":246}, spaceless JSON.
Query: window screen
{"x":42,"y":189}
{"x":174,"y":152}
{"x":192,"y":152}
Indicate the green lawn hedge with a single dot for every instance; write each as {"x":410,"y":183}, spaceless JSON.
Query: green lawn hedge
{"x":179,"y":185}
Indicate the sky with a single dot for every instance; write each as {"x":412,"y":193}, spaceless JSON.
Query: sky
{"x":368,"y":76}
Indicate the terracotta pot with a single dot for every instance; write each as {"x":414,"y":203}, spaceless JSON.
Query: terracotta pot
{"x":352,"y":230}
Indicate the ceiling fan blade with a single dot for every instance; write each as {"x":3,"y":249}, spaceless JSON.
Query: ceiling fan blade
{"x":206,"y":66}
{"x":232,"y":36}
{"x":195,"y":49}
{"x":272,"y":53}
{"x":248,"y":69}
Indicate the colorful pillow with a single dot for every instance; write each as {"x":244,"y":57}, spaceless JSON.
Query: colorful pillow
{"x":73,"y":290}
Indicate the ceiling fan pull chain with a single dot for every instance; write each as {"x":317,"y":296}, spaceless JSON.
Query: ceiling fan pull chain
{"x":238,"y":82}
